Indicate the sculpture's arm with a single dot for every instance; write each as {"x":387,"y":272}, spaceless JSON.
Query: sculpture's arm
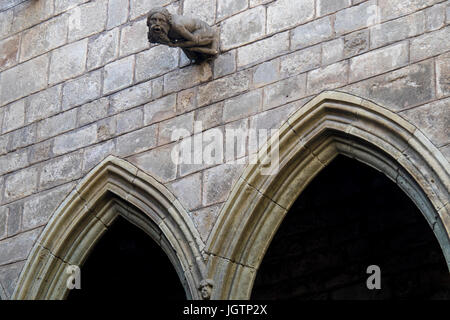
{"x":189,"y":44}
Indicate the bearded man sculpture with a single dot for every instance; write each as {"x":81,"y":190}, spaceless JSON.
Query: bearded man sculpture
{"x":195,"y":37}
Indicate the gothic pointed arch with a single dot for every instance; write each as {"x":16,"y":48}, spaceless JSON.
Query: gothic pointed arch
{"x":115,"y":187}
{"x":332,"y":123}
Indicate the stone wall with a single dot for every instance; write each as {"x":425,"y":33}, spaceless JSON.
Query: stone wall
{"x":79,"y":81}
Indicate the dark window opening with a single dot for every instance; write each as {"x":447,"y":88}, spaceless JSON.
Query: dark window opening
{"x":350,"y":217}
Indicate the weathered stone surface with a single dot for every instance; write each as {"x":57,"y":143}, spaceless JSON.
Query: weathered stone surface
{"x":311,"y":33}
{"x":223,"y":88}
{"x":9,"y":51}
{"x":133,"y":38}
{"x":430,"y":44}
{"x":236,"y":140}
{"x":117,"y":13}
{"x":242,"y":106}
{"x":81,"y":90}
{"x":44,"y":37}
{"x":225,"y":64}
{"x":204,"y":10}
{"x":284,"y":91}
{"x":204,"y":220}
{"x":266,"y":73}
{"x":55,"y":125}
{"x":396,"y":30}
{"x":331,"y":77}
{"x":13,"y":161}
{"x":23,"y":137}
{"x":166,"y":128}
{"x":9,"y":274}
{"x":87,"y":19}
{"x":332,"y":51}
{"x":284,"y":14}
{"x":157,"y":87}
{"x":254,"y":3}
{"x":274,"y":118}
{"x":210,"y":116}
{"x":64,"y":5}
{"x":445,"y":152}
{"x":443,"y":75}
{"x":131,"y":97}
{"x":30,"y":13}
{"x":435,"y":17}
{"x":158,"y":163}
{"x":14,"y":218}
{"x":217,"y":182}
{"x":40,"y":151}
{"x":161,"y":109}
{"x":6,"y":18}
{"x":186,"y":100}
{"x":24,"y":79}
{"x":356,"y":17}
{"x":61,"y":170}
{"x":93,"y":111}
{"x":14,"y":116}
{"x":393,"y":9}
{"x":6,"y":4}
{"x":43,"y":104}
{"x":136,"y":141}
{"x":243,"y":28}
{"x":433,"y":119}
{"x":75,"y":139}
{"x":106,"y":128}
{"x":103,"y":49}
{"x":447,"y":15}
{"x":3,"y":221}
{"x":188,"y":190}
{"x":118,"y":75}
{"x":401,"y":89}
{"x":141,"y":7}
{"x":68,"y":61}
{"x":4,"y":141}
{"x":356,"y":43}
{"x":155,"y":61}
{"x":263,"y":50}
{"x":378,"y":61}
{"x":180,"y":79}
{"x":328,"y":6}
{"x":38,"y":209}
{"x":129,"y":120}
{"x":95,"y":154}
{"x":300,"y":61}
{"x":21,"y":184}
{"x":17,"y":248}
{"x":226,"y":8}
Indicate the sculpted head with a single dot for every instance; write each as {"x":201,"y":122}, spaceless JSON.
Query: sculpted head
{"x":159,"y":21}
{"x":205,"y":288}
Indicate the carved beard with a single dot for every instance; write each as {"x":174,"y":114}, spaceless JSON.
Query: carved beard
{"x":160,"y":36}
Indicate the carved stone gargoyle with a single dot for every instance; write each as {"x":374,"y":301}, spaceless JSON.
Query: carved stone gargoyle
{"x":195,"y":37}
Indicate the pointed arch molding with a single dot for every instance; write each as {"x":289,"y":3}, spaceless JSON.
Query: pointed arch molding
{"x":115,"y":187}
{"x":333,"y":123}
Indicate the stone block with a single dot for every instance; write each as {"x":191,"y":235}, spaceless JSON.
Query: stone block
{"x":81,"y":90}
{"x":357,"y":17}
{"x":157,"y":87}
{"x":87,"y":19}
{"x":23,"y":137}
{"x":141,"y":7}
{"x":284,"y":91}
{"x":433,"y":120}
{"x":3,"y":221}
{"x":435,"y":17}
{"x":13,"y":161}
{"x":102,"y":49}
{"x":443,"y":75}
{"x":53,"y":32}
{"x":190,"y":76}
{"x":93,"y":111}
{"x":378,"y":61}
{"x":166,"y":128}
{"x":64,"y":5}
{"x":160,"y":109}
{"x":58,"y":124}
{"x":9,"y":274}
{"x":327,"y":78}
{"x":243,"y":28}
{"x":9,"y":51}
{"x":311,"y":33}
{"x":332,"y":51}
{"x":29,"y":13}
{"x":14,"y":116}
{"x":24,"y":79}
{"x":284,"y":14}
{"x":131,"y":97}
{"x":117,"y":13}
{"x":61,"y":170}
{"x":137,"y":141}
{"x":21,"y":184}
{"x":188,"y":191}
{"x":242,"y":106}
{"x":155,"y":62}
{"x":6,"y":18}
{"x":75,"y":139}
{"x":39,"y":209}
{"x":225,"y":64}
{"x":68,"y":61}
{"x":158,"y":163}
{"x":4,"y":141}
{"x":133,"y":38}
{"x":300,"y":61}
{"x":401,"y":89}
{"x":204,"y":220}
{"x":106,"y":128}
{"x":95,"y":154}
{"x":324,"y":7}
{"x":218,"y":181}
{"x":266,"y":73}
{"x":227,"y":8}
{"x":204,"y":10}
{"x":263,"y":50}
{"x":274,"y":118}
{"x":118,"y":75}
{"x":430,"y":44}
{"x":186,"y":100}
{"x":356,"y":43}
{"x":14,"y":218}
{"x":129,"y":120}
{"x":223,"y":88}
{"x":43,"y":104}
{"x":210,"y":116}
{"x":40,"y":151}
{"x":18,"y":247}
{"x":393,"y":9}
